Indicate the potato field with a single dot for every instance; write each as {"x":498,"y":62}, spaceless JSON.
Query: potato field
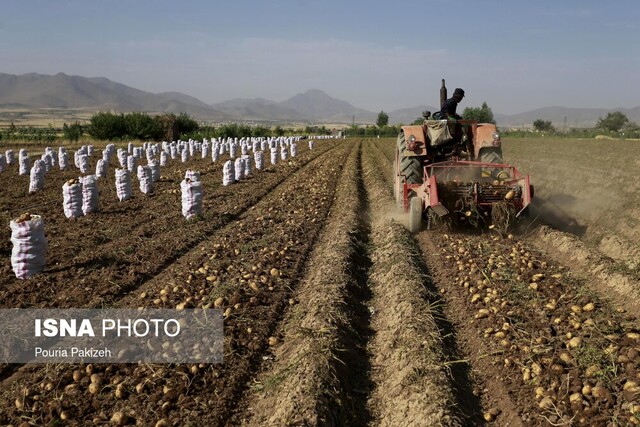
{"x":334,"y":314}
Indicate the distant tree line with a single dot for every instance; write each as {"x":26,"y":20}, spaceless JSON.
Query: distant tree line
{"x":111,"y":126}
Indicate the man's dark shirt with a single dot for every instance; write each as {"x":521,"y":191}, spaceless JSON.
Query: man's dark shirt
{"x":449,"y":108}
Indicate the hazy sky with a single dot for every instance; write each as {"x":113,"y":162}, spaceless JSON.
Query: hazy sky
{"x":515,"y":55}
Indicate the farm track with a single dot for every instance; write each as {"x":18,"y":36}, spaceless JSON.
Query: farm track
{"x":243,"y":243}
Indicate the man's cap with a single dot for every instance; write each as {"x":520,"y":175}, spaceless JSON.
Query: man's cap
{"x":458,"y":91}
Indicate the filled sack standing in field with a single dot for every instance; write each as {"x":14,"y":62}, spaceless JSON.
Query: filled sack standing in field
{"x":36,"y":176}
{"x":132,"y":164}
{"x":101,"y":168}
{"x":205,"y":150}
{"x":173,"y":151}
{"x":130,"y":148}
{"x":72,"y":199}
{"x":258,"y":156}
{"x":215,"y":154}
{"x":163,"y":158}
{"x":48,"y":163}
{"x":191,"y":198}
{"x":63,"y":160}
{"x":123,"y":184}
{"x":146,"y":179}
{"x":10,"y":157}
{"x":185,"y":155}
{"x":246,"y":160}
{"x":233,"y":150}
{"x":3,"y":163}
{"x":29,"y":245}
{"x":192,"y":175}
{"x":274,"y":156}
{"x":83,"y":163}
{"x":239,"y":168}
{"x":122,"y":158}
{"x":284,"y":152}
{"x":24,"y":162}
{"x":311,"y":144}
{"x":89,"y":150}
{"x":228,"y":173}
{"x":294,"y":149}
{"x":90,"y":194}
{"x":155,"y":170}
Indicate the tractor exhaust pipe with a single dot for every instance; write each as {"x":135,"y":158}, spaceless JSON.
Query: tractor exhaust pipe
{"x":443,"y":94}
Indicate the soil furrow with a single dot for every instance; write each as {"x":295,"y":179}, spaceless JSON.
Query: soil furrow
{"x":412,"y":385}
{"x":319,"y":375}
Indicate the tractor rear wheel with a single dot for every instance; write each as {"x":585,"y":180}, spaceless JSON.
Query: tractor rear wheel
{"x":410,"y":167}
{"x":415,"y":214}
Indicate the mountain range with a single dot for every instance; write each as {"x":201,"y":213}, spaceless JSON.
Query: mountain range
{"x":65,"y":92}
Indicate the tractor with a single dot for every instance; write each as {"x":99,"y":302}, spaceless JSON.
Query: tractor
{"x":451,"y":171}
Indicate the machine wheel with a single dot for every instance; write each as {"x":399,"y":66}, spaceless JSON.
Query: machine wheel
{"x":491,"y":155}
{"x":415,"y":214}
{"x":411,"y":167}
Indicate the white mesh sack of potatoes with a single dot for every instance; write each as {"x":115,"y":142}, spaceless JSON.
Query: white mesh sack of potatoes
{"x":132,"y":164}
{"x":205,"y":150}
{"x":122,"y":158}
{"x":24,"y":162}
{"x":191,"y":198}
{"x":63,"y":159}
{"x":284,"y":153}
{"x":233,"y":150}
{"x":163,"y":158}
{"x":185,"y":155}
{"x":146,"y":179}
{"x":239,"y":168}
{"x":48,"y":163}
{"x":123,"y":184}
{"x":155,"y":170}
{"x":258,"y":157}
{"x":3,"y":163}
{"x":274,"y":156}
{"x":294,"y":149}
{"x":90,"y":194}
{"x":72,"y":199}
{"x":246,"y":160}
{"x":36,"y":176}
{"x":228,"y":173}
{"x":28,"y":255}
{"x":9,"y":157}
{"x":83,"y":163}
{"x":101,"y":168}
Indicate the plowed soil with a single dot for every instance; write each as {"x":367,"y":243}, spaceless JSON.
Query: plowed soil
{"x":334,"y":313}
